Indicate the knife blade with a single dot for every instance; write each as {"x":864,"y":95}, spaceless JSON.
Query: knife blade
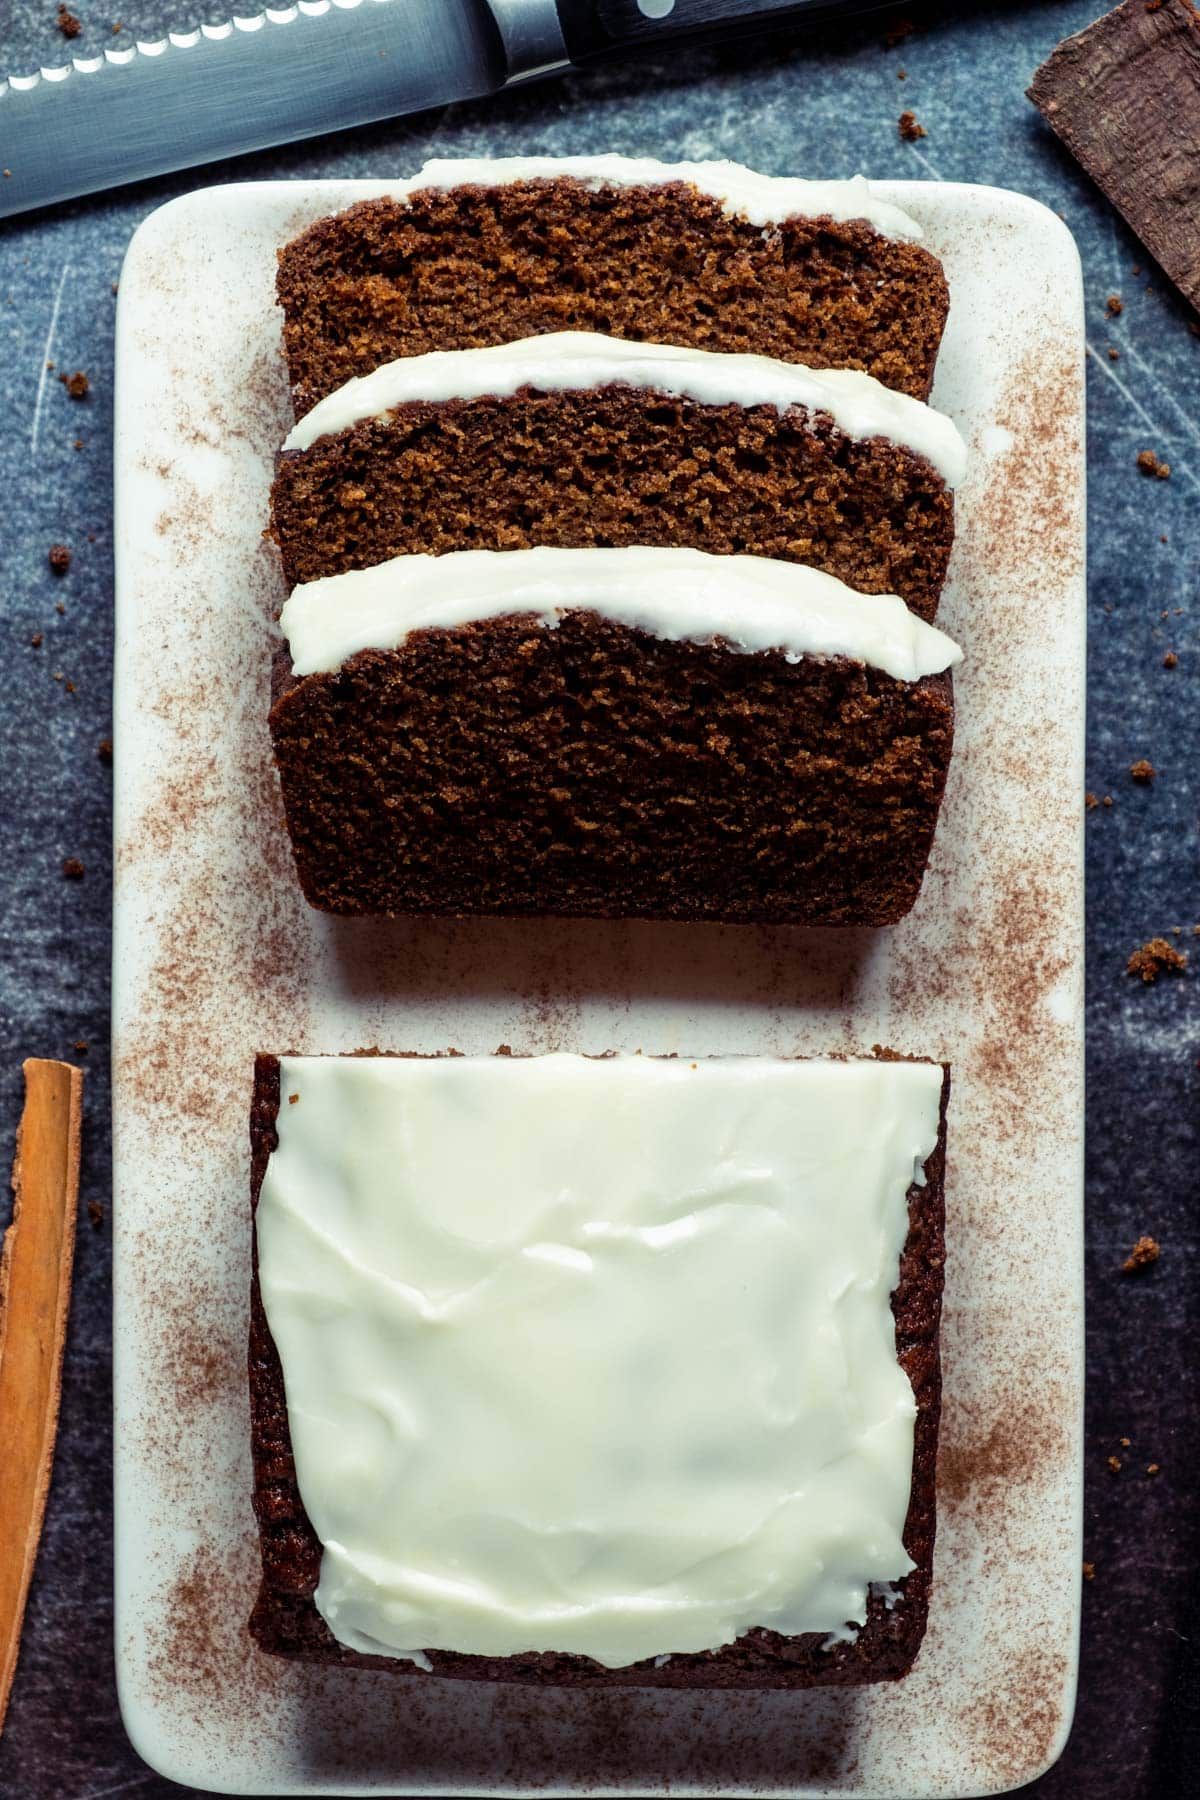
{"x":316,"y":66}
{"x":222,"y":90}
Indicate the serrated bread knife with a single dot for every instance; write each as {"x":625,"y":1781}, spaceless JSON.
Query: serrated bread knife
{"x":318,"y":66}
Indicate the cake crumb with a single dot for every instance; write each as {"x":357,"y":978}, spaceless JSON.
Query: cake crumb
{"x":77,"y":385}
{"x":72,"y":868}
{"x":104,"y":750}
{"x":1125,"y":1442}
{"x":60,"y":558}
{"x":78,"y":444}
{"x":1114,"y":355}
{"x":67,"y":23}
{"x":1114,"y":306}
{"x":1089,"y":1571}
{"x":1145,"y":1251}
{"x":1156,"y":958}
{"x":1107,"y":800}
{"x":1152,"y":1468}
{"x":1170,"y":660}
{"x":292,"y":1099}
{"x":910,"y":127}
{"x":1149,"y":464}
{"x":95,"y":1214}
{"x":1114,"y":1465}
{"x":69,"y":686}
{"x":1091,"y":801}
{"x":1143,"y":770}
{"x":81,"y":1045}
{"x":36,"y":641}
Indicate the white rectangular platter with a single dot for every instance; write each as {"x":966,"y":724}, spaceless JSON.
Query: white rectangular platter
{"x":216,"y":956}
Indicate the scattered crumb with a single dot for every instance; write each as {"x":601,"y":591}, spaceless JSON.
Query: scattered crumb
{"x":1148,"y":463}
{"x":60,"y":558}
{"x":8,"y":174}
{"x":1156,"y":958}
{"x":1114,"y":1464}
{"x":292,"y":1099}
{"x":118,"y":26}
{"x":69,"y":686}
{"x":901,"y":75}
{"x":1125,"y":1442}
{"x":68,"y":24}
{"x":1136,"y":268}
{"x":1089,"y":1571}
{"x":1114,"y":306}
{"x":1113,"y":354}
{"x":1090,"y":801}
{"x":1170,"y":660}
{"x":77,"y":385}
{"x":60,"y":608}
{"x":1107,"y":800}
{"x":58,"y":675}
{"x":73,"y":868}
{"x":910,"y":127}
{"x":95,"y":1214}
{"x":1145,"y":1251}
{"x":36,"y":640}
{"x":1152,"y":1468}
{"x":114,"y":287}
{"x":1143,"y":770}
{"x":81,"y":1046}
{"x":78,"y":444}
{"x":104,"y":750}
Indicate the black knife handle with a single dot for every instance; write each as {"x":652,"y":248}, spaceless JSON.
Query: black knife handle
{"x":600,"y":28}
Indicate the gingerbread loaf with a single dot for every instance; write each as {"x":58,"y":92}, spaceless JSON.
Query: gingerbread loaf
{"x":609,"y":733}
{"x":471,"y":253}
{"x":347,"y":1230}
{"x":576,"y":440}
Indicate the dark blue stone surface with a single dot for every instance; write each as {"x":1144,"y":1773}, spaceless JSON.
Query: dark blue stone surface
{"x":819,"y":105}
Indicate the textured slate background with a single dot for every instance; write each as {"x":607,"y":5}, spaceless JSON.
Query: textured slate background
{"x":824,"y":105}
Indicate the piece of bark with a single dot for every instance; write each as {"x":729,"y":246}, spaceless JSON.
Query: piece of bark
{"x":1124,"y":97}
{"x":35,"y":1291}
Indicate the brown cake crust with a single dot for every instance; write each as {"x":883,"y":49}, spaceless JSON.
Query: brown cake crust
{"x":610,"y":467}
{"x":285,"y":1621}
{"x":471,"y":266}
{"x":593,"y":770}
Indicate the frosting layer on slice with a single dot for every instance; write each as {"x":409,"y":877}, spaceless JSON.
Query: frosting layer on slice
{"x":749,"y":602}
{"x":594,"y":1356}
{"x":563,"y":361}
{"x":760,"y":199}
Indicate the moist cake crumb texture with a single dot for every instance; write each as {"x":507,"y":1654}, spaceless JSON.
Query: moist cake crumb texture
{"x":470,"y":266}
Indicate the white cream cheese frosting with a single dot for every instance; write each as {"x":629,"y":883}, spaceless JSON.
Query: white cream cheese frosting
{"x":760,"y":199}
{"x":594,"y":1356}
{"x":576,"y":361}
{"x":752,"y":603}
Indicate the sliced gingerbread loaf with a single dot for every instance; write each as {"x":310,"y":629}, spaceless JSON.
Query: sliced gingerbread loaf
{"x":708,"y":254}
{"x":576,"y":440}
{"x":608,"y":733}
{"x":393,"y":1135}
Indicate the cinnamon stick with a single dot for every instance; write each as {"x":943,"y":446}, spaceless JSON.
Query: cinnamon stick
{"x":35,"y":1290}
